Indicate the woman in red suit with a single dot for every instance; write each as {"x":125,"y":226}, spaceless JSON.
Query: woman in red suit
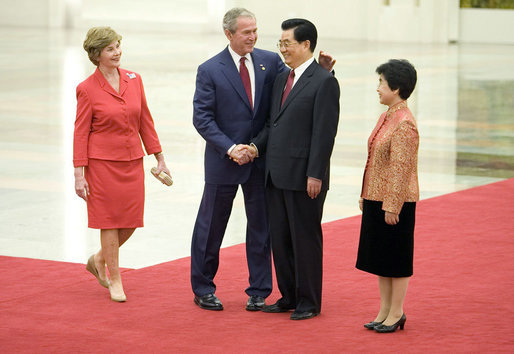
{"x":112,"y":120}
{"x":389,"y":194}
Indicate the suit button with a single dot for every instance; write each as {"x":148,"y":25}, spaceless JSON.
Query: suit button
{"x":275,"y":124}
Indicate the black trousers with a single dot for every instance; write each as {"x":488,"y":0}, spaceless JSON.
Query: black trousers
{"x":297,"y":246}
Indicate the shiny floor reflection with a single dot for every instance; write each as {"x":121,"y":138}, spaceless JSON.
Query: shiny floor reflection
{"x":463,"y":104}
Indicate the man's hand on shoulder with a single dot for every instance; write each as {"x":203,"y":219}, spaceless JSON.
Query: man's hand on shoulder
{"x":326,"y":61}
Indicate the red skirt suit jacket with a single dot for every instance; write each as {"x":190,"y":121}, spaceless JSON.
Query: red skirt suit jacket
{"x":109,"y":124}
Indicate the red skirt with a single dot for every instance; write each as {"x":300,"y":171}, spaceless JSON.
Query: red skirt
{"x":116,"y":194}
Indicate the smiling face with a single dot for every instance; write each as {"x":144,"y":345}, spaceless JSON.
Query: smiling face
{"x":387,"y":96}
{"x":295,"y":53}
{"x":110,"y":56}
{"x":244,"y":38}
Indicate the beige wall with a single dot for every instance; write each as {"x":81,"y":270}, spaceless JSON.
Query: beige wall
{"x":24,"y":13}
{"x":480,"y":25}
{"x":419,"y":21}
{"x":425,"y":21}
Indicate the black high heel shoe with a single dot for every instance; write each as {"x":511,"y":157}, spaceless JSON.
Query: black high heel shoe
{"x":372,"y":325}
{"x":388,"y":329}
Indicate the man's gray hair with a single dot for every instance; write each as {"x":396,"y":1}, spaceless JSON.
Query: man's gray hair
{"x":230,"y":18}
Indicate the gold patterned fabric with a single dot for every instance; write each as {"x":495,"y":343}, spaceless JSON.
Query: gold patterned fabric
{"x":391,"y":173}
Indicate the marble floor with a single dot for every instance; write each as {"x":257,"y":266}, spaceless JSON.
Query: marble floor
{"x":464,"y":104}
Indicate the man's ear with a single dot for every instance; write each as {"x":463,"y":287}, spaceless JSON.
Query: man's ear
{"x":228,"y":34}
{"x":307,"y":44}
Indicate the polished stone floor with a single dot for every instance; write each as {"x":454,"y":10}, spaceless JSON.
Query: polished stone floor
{"x":464,"y":104}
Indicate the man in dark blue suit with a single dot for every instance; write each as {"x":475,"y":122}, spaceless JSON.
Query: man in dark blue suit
{"x":231,"y":104}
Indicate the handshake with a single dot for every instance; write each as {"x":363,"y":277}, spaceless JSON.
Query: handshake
{"x":242,"y":154}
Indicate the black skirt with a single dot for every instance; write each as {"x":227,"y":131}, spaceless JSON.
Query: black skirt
{"x":386,"y":250}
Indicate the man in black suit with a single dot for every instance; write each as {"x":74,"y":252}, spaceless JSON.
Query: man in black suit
{"x":297,"y":142}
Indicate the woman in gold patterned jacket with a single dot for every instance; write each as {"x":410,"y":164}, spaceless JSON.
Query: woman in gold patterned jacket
{"x":389,"y":194}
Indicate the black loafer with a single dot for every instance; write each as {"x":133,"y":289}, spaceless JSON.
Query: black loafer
{"x":209,"y":302}
{"x":276,"y":308}
{"x":303,"y":315}
{"x":255,"y":303}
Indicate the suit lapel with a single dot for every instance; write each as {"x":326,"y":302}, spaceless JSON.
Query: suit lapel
{"x":281,"y":83}
{"x":302,"y":82}
{"x":123,"y":82}
{"x":260,"y":73}
{"x":104,"y":84}
{"x":232,"y":74}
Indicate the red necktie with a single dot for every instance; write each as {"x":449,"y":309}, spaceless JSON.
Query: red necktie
{"x":289,"y":86}
{"x":245,"y":77}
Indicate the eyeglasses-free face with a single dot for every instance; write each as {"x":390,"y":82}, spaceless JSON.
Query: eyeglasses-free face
{"x":386,"y":95}
{"x":110,"y":55}
{"x":243,"y":39}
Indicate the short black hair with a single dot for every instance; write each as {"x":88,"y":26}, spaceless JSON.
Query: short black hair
{"x":303,"y":30}
{"x":399,"y":74}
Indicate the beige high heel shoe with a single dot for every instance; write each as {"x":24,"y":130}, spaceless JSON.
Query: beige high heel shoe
{"x":117,"y":298}
{"x":91,"y":268}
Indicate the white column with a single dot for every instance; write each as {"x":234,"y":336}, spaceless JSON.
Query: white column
{"x":453,"y":7}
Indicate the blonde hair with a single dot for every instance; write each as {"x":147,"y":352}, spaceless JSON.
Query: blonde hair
{"x":97,"y":38}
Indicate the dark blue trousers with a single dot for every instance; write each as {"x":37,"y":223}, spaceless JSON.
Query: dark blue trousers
{"x":210,"y":226}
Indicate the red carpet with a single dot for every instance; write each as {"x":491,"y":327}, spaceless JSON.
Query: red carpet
{"x":459,"y":300}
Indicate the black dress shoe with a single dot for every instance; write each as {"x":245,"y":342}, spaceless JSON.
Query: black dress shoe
{"x":372,"y":325}
{"x":388,"y":329}
{"x":255,"y":303}
{"x":209,"y":302}
{"x":303,"y":315}
{"x":276,"y":308}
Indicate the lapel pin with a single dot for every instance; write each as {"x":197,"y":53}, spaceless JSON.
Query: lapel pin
{"x":131,"y":75}
{"x":262,"y":67}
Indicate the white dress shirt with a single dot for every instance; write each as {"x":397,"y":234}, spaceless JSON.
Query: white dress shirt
{"x":300,"y":70}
